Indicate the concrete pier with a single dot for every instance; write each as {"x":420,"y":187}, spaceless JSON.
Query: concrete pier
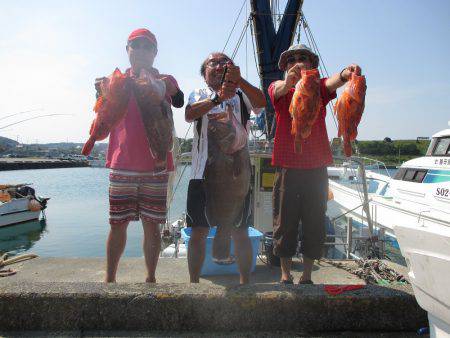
{"x":66,"y":294}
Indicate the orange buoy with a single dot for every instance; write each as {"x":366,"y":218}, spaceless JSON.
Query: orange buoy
{"x":34,"y":205}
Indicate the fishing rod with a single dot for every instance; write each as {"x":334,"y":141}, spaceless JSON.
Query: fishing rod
{"x":33,"y":118}
{"x":20,"y":113}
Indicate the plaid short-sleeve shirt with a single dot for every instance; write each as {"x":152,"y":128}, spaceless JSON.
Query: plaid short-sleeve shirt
{"x":316,"y":152}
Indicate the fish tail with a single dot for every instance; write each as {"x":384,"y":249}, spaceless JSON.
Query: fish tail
{"x":87,"y":148}
{"x":298,"y":144}
{"x":347,"y":148}
{"x":221,"y":247}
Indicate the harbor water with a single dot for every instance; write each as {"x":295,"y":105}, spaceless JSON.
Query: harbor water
{"x":77,"y":214}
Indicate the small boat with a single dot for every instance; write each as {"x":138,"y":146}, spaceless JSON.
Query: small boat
{"x":19,"y":203}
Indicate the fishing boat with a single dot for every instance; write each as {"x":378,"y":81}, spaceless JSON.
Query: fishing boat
{"x":19,"y":203}
{"x":413,"y":209}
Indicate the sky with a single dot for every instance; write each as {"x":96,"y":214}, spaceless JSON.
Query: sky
{"x":51,"y":52}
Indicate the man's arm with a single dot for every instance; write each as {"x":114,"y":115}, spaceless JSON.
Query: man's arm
{"x":255,"y":95}
{"x":282,"y":87}
{"x":174,"y":92}
{"x":198,"y":109}
{"x":339,"y":79}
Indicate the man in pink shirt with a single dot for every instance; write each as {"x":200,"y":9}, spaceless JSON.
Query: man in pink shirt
{"x":137,"y":190}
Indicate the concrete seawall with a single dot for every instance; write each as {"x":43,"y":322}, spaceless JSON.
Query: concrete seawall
{"x":66,"y":303}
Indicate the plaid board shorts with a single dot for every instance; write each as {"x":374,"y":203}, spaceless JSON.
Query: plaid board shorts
{"x":134,"y":196}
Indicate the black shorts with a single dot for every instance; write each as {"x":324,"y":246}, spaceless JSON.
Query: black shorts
{"x":299,"y":195}
{"x":196,"y":202}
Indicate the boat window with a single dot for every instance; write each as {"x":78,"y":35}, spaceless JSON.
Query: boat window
{"x":442,"y":147}
{"x":399,"y":174}
{"x":419,"y":176}
{"x":431,"y":147}
{"x":409,"y":176}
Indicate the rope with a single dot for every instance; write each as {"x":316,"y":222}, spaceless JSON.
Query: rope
{"x":235,"y":22}
{"x":4,"y":261}
{"x":241,"y":37}
{"x":313,"y":44}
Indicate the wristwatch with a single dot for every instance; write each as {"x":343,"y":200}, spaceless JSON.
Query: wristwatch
{"x":215,"y":99}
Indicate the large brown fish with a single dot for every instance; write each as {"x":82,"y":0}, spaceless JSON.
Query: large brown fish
{"x":349,"y":109}
{"x":305,"y":106}
{"x":110,"y":108}
{"x":227,"y":179}
{"x":157,"y":117}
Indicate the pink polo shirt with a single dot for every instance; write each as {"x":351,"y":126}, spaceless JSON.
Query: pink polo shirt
{"x":128,"y":147}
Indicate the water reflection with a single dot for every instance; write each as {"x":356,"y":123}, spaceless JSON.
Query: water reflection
{"x":21,"y":237}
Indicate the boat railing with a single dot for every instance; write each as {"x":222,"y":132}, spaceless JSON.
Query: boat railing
{"x":371,"y":240}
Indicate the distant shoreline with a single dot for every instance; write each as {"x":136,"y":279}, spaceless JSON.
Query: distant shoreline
{"x":7,"y":164}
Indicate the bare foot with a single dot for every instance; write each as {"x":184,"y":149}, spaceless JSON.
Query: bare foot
{"x":150,"y":280}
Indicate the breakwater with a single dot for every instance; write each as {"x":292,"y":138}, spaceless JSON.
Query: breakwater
{"x":39,"y":163}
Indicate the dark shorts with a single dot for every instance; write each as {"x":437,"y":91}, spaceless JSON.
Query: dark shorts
{"x":196,"y":202}
{"x":299,"y":195}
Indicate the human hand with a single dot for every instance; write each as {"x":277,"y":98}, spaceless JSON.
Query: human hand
{"x":346,"y":73}
{"x":293,"y":75}
{"x":233,"y":74}
{"x":227,"y":91}
{"x":98,"y":84}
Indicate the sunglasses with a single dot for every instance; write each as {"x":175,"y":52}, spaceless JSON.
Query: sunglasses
{"x":136,"y":44}
{"x":215,"y":63}
{"x":297,"y":58}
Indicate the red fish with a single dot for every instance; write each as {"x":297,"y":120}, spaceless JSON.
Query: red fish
{"x":110,"y":108}
{"x":349,"y":109}
{"x":305,"y":106}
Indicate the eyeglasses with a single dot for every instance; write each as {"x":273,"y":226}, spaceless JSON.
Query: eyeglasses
{"x":140,"y":44}
{"x":297,"y":58}
{"x":215,"y":63}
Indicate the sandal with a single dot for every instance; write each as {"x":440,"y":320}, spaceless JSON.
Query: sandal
{"x":289,"y":281}
{"x":309,"y":281}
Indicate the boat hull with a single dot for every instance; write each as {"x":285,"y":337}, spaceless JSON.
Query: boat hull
{"x":426,"y":247}
{"x":16,"y":211}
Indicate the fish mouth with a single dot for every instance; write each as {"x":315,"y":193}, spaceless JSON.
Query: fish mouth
{"x":224,"y":261}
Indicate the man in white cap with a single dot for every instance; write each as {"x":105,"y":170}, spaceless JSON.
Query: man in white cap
{"x":301,"y":182}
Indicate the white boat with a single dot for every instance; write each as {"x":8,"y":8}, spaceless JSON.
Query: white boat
{"x":19,"y":204}
{"x":414,"y":207}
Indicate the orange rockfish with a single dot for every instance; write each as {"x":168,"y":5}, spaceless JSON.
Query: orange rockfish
{"x":349,"y":108}
{"x":305,"y":106}
{"x":110,"y":108}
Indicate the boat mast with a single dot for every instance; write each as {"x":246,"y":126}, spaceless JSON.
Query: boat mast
{"x":270,"y":43}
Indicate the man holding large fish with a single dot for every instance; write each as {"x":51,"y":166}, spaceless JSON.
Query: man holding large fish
{"x":301,"y":155}
{"x":220,"y":177}
{"x":133,"y":108}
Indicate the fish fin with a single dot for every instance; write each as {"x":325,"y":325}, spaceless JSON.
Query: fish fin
{"x":87,"y":148}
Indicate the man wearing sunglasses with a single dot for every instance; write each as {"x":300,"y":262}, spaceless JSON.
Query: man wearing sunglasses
{"x":301,"y":181}
{"x":233,"y":91}
{"x":137,"y":190}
